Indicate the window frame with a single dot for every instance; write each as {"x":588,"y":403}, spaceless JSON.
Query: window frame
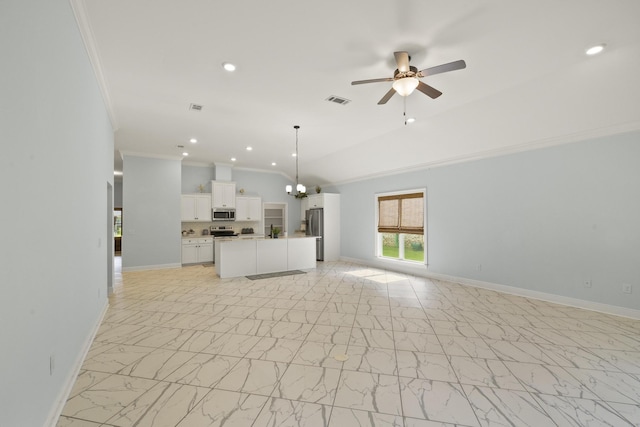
{"x":378,"y":239}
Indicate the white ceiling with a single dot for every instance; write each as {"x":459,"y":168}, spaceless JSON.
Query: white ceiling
{"x":527,"y":83}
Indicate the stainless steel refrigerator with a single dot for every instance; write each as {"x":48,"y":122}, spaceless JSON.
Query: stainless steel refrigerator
{"x":315,"y":227}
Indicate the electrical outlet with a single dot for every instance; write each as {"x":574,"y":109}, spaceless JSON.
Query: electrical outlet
{"x":479,"y":267}
{"x":626,"y":288}
{"x":587,"y":283}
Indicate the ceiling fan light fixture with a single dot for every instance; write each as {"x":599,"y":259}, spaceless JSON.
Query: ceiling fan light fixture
{"x":406,"y":85}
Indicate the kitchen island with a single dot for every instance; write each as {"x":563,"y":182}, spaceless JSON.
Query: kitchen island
{"x":245,"y":257}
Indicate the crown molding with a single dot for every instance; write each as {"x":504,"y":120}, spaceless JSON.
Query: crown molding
{"x":265,"y":171}
{"x":150,"y":155}
{"x":230,"y":165}
{"x":86,"y":32}
{"x":237,"y":168}
{"x":198,"y":164}
{"x":585,"y":135}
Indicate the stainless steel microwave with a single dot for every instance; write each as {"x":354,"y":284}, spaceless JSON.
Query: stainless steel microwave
{"x":223,"y":214}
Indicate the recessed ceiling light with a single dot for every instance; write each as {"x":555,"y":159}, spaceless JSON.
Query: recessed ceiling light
{"x":293,"y":154}
{"x":193,"y":140}
{"x":249,"y":148}
{"x":228,"y":66}
{"x":273,"y":163}
{"x":117,"y":173}
{"x":233,"y":159}
{"x":411,"y":119}
{"x":594,"y":50}
{"x":185,"y":154}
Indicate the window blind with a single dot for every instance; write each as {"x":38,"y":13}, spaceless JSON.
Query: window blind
{"x":401,"y":213}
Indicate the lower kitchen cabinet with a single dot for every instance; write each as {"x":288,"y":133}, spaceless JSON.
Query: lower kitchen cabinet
{"x":197,"y":250}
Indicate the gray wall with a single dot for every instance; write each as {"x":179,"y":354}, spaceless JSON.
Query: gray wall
{"x":117,"y":194}
{"x":543,"y":220}
{"x":150,"y":213}
{"x":194,"y":176}
{"x":271,"y":187}
{"x":57,"y":160}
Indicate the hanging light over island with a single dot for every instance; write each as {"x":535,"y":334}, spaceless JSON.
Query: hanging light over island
{"x":300,"y":189}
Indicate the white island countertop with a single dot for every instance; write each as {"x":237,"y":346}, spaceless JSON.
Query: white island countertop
{"x":248,"y":256}
{"x":264,"y":237}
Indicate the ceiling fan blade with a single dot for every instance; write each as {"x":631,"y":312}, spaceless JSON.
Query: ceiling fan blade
{"x":387,"y":96}
{"x":451,"y":66}
{"x":361,"y":82}
{"x":402,"y":59}
{"x":428,"y":90}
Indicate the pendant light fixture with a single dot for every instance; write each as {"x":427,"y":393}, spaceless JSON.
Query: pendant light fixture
{"x":301,"y":190}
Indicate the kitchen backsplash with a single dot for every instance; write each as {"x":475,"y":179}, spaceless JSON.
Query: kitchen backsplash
{"x":197,"y":227}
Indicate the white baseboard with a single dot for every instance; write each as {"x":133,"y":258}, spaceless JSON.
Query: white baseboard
{"x":421,"y":270}
{"x":56,"y":410}
{"x":151,"y":267}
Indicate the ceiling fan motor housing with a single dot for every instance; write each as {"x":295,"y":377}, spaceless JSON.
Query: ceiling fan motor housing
{"x":413,"y":72}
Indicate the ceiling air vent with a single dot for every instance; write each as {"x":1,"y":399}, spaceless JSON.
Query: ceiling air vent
{"x":195,"y":107}
{"x":338,"y":100}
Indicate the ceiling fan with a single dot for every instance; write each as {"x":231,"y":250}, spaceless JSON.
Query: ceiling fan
{"x":406,"y":78}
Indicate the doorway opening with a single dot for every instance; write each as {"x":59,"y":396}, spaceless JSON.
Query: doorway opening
{"x":108,"y":240}
{"x":117,"y":230}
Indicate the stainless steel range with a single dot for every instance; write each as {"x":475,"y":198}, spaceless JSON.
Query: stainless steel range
{"x":223,"y":233}
{"x":219,"y":232}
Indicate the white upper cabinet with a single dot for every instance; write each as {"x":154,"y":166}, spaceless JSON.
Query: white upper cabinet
{"x":196,"y":207}
{"x":316,"y":200}
{"x":223,"y":194}
{"x":248,"y":208}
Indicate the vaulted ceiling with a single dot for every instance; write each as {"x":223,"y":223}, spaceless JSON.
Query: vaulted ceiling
{"x":528,"y":82}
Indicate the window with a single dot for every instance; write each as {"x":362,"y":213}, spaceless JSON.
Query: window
{"x":401,"y":230}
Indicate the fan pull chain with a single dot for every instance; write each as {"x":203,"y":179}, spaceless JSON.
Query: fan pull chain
{"x":404,"y":113}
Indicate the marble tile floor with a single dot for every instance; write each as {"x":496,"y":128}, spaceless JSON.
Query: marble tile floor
{"x":184,"y":348}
